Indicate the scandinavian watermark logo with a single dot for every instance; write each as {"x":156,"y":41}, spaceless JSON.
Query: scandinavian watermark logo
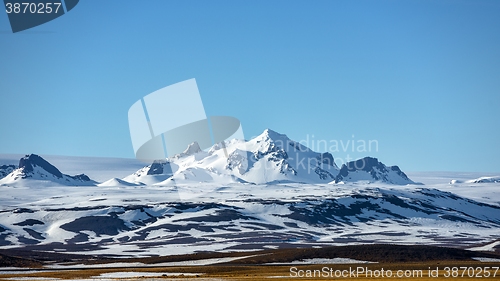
{"x":165,"y":122}
{"x":342,"y":147}
{"x":26,"y":14}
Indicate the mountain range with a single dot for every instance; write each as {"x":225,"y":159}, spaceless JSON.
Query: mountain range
{"x":269,"y":158}
{"x":265,"y":193}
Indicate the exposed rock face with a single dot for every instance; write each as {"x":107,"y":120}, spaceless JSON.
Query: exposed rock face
{"x":81,"y":177}
{"x":28,"y":163}
{"x":370,"y":168}
{"x":163,"y":166}
{"x":327,"y":158}
{"x":6,"y":169}
{"x":160,"y":167}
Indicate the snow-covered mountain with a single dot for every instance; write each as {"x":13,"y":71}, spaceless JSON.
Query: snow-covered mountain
{"x":34,"y":170}
{"x":118,"y":182}
{"x":370,"y":169}
{"x":478,"y":180}
{"x":268,"y":158}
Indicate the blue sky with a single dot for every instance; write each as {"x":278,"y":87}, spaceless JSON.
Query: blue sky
{"x":422,"y":78}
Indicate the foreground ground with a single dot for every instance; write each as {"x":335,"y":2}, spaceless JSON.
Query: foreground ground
{"x":345,"y":262}
{"x":408,"y":271}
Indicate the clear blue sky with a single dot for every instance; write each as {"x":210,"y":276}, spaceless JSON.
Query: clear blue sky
{"x":420,"y":77}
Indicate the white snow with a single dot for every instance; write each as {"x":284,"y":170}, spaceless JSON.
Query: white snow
{"x":485,"y":180}
{"x":481,"y":259}
{"x":77,"y":202}
{"x":487,"y":247}
{"x":41,"y":178}
{"x":117,"y":182}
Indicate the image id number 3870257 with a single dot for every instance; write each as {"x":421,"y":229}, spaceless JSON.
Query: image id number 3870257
{"x":464,"y":271}
{"x":32,"y":8}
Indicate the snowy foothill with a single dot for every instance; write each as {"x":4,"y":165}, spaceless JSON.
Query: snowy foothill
{"x":158,"y":220}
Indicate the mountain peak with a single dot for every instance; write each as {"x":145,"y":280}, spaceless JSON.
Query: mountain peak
{"x":192,"y":148}
{"x":28,"y":162}
{"x":34,"y":167}
{"x":271,"y":135}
